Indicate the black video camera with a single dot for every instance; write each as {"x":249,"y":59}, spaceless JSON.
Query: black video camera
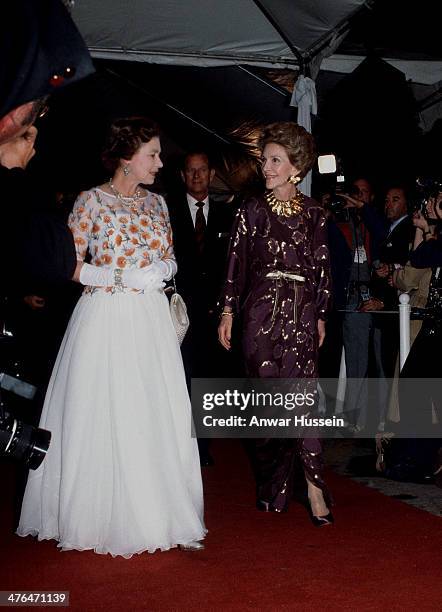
{"x":336,"y":203}
{"x":18,"y":440}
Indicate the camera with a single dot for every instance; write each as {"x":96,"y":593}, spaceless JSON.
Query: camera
{"x":18,"y":440}
{"x":336,"y":203}
{"x":21,"y":441}
{"x":425,"y":188}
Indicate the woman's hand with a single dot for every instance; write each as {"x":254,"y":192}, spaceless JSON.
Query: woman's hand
{"x":420,"y":222}
{"x":225,"y":331}
{"x":321,"y":332}
{"x":149,"y":278}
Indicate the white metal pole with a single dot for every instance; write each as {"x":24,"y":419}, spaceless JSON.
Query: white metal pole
{"x":404,"y":328}
{"x":342,"y":384}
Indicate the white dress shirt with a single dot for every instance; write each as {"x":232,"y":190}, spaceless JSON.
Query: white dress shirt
{"x":191,"y":201}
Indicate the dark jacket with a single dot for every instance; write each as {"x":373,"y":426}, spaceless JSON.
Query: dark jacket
{"x":37,"y":247}
{"x":341,"y":259}
{"x":393,"y":249}
{"x":428,"y":254}
{"x":200,"y":277}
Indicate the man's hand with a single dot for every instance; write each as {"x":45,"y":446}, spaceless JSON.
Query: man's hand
{"x":34,"y":301}
{"x":17,"y":122}
{"x":383,"y":270}
{"x":18,"y":152}
{"x":351,"y":201}
{"x":371,"y":304}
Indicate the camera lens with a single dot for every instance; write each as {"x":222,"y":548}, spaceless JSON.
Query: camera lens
{"x":23,"y":442}
{"x":336,"y":202}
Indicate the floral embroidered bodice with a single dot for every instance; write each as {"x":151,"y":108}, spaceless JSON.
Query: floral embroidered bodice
{"x":116,"y":235}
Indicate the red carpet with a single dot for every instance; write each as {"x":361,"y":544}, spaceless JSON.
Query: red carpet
{"x":380,"y":554}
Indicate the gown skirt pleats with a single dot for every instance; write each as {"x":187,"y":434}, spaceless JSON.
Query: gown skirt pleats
{"x":122,"y":474}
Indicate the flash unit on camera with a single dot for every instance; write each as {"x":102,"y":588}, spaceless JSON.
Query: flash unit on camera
{"x":327,"y":164}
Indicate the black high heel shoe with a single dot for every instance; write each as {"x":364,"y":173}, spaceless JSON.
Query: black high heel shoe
{"x":264,"y":506}
{"x":322,"y":521}
{"x":318,"y":521}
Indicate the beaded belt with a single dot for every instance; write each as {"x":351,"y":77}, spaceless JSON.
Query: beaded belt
{"x":278,"y":277}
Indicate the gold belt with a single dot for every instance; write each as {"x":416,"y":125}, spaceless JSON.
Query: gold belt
{"x":278,"y":276}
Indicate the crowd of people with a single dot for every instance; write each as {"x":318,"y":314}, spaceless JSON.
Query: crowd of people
{"x":380,"y":258}
{"x":264,"y":280}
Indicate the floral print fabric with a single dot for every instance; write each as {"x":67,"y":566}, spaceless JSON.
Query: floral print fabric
{"x":118,"y":235}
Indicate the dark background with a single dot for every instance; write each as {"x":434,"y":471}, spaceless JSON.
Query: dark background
{"x":368,"y":118}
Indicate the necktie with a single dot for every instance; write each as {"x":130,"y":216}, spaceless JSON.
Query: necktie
{"x":200,"y":226}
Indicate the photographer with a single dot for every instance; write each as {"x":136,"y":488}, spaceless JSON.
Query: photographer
{"x":340,"y":265}
{"x":358,"y":330}
{"x":41,"y":51}
{"x":391,"y":236}
{"x":420,"y":393}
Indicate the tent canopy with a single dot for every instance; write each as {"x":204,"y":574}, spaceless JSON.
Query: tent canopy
{"x":263,"y":33}
{"x":266,"y":33}
{"x":202,"y":67}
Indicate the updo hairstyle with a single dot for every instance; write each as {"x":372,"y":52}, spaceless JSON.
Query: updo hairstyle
{"x":124,"y":139}
{"x":298,"y":143}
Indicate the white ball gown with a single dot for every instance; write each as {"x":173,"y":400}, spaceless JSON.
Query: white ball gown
{"x":122,"y":474}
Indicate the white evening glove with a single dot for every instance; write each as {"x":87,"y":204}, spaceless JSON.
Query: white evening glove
{"x":167,"y":268}
{"x":149,"y":278}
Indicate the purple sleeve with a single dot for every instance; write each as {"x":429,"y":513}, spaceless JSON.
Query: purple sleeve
{"x":322,"y":262}
{"x":237,"y":262}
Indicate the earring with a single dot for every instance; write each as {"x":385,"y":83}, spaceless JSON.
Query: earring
{"x":126,"y":170}
{"x":294,"y":180}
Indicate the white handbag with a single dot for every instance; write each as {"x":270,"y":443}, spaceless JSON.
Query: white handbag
{"x":178,"y":313}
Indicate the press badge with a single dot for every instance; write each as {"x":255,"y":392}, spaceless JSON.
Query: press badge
{"x":360,"y":255}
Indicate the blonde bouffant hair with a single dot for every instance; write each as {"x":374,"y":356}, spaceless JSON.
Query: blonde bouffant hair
{"x":298,"y":143}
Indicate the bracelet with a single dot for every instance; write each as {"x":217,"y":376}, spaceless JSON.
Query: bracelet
{"x":118,"y":278}
{"x":226,"y":313}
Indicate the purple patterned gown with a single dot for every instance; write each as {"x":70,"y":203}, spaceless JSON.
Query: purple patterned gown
{"x":279,"y":321}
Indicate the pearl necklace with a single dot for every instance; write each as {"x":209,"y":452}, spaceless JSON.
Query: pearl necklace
{"x":286,"y":208}
{"x":130,"y":201}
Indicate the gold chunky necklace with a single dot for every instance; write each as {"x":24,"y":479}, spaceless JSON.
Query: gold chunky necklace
{"x":286,"y":208}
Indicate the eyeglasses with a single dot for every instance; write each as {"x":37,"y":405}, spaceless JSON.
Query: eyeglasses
{"x":41,"y":108}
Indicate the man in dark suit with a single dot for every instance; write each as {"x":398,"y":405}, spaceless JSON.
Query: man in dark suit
{"x":393,"y":252}
{"x":201,"y":232}
{"x":394,"y":248}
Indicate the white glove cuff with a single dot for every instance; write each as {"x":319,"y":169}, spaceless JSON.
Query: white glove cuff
{"x":167,"y":268}
{"x":95,"y":276}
